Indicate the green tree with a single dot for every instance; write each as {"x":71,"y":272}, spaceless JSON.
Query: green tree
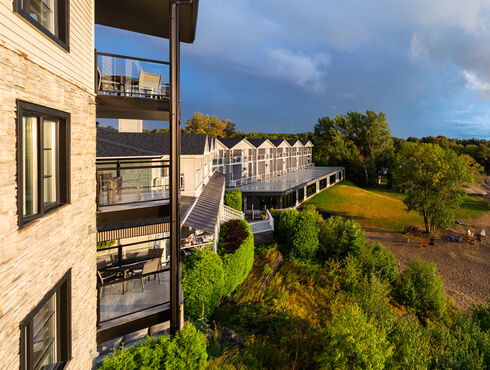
{"x":432,"y":179}
{"x":358,"y":139}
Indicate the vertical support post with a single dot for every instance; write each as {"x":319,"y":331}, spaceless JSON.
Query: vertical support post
{"x":175,"y":266}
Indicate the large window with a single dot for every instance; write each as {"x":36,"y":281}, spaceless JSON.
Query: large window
{"x":43,"y":160}
{"x":49,"y":16}
{"x":46,"y":332}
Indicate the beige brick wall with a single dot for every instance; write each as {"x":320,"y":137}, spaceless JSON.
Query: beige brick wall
{"x":33,"y":259}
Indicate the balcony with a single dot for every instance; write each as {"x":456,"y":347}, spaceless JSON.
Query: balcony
{"x":131,"y":190}
{"x":130,"y":87}
{"x":218,"y":161}
{"x":236,"y":159}
{"x":132,"y":283}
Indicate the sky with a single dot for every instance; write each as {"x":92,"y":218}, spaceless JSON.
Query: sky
{"x":279,"y":65}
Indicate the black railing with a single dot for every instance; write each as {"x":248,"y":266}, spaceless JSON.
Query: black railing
{"x":121,"y":182}
{"x":121,"y":75}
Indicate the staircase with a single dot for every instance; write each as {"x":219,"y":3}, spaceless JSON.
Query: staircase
{"x":230,"y":214}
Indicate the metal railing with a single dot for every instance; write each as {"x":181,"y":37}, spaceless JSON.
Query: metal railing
{"x":122,"y":182}
{"x":266,"y":176}
{"x":121,"y":75}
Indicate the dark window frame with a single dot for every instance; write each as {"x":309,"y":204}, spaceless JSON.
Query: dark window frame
{"x":62,"y":289}
{"x":22,"y":6}
{"x":62,"y":165}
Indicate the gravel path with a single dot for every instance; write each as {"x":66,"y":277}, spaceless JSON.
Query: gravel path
{"x":465,"y":268}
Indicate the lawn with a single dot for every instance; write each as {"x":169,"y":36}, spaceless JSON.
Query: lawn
{"x":380,"y":208}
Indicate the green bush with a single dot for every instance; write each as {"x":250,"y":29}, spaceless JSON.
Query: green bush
{"x":463,"y":346}
{"x":304,"y":241}
{"x":354,"y":342}
{"x":202,"y":282}
{"x":284,"y":222}
{"x":339,"y":237}
{"x":421,"y":289}
{"x":187,"y":350}
{"x":481,"y":314}
{"x":412,"y":348}
{"x":236,"y":248}
{"x":377,"y":259}
{"x":233,"y":199}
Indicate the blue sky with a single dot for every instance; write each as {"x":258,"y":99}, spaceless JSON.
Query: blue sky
{"x":276,"y":66}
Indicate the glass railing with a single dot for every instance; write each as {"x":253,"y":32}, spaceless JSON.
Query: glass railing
{"x":120,"y":75}
{"x":131,"y":277}
{"x":126,"y":181}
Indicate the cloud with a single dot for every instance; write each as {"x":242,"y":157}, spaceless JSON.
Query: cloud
{"x":307,"y":71}
{"x":473,"y":82}
{"x":418,"y":48}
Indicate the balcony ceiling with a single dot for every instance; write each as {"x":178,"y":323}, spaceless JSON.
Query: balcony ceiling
{"x":147,"y":16}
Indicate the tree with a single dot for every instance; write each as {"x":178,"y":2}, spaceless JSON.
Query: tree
{"x":432,"y":179}
{"x":210,"y":125}
{"x":356,"y":139}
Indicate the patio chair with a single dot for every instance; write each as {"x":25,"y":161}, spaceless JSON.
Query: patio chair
{"x":156,"y":253}
{"x":148,"y":268}
{"x":150,"y":83}
{"x":105,"y":277}
{"x":108,"y":83}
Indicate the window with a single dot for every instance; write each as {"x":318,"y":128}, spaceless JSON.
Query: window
{"x":43,"y":160}
{"x":45,"y":336}
{"x":50,"y":16}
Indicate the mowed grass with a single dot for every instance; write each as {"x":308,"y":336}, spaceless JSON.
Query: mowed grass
{"x":380,"y":208}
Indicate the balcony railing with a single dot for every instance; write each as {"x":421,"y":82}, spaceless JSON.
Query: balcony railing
{"x":120,"y":75}
{"x":218,"y":161}
{"x":236,"y":159}
{"x":127,"y":182}
{"x":131,"y":277}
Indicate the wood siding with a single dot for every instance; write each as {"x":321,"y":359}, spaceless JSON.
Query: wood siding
{"x":75,"y":66}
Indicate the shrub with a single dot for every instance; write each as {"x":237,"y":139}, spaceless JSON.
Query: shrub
{"x":481,"y":314}
{"x":202,"y":282}
{"x":236,"y":248}
{"x":463,"y":346}
{"x":187,"y":350}
{"x":377,"y":259}
{"x":304,"y":241}
{"x":412,"y":348}
{"x":352,"y":341}
{"x":284,"y":222}
{"x":340,"y":237}
{"x":421,"y":289}
{"x":233,"y":199}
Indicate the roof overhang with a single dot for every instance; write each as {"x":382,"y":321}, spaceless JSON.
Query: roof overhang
{"x":147,"y":16}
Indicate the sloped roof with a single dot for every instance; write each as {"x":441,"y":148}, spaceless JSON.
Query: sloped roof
{"x":111,"y":143}
{"x":292,"y":142}
{"x":277,"y":142}
{"x":256,"y":142}
{"x":230,"y":142}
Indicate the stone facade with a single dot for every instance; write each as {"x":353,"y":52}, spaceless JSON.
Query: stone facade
{"x":32,"y":260}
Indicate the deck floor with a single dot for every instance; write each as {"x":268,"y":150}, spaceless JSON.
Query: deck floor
{"x":114,"y":304}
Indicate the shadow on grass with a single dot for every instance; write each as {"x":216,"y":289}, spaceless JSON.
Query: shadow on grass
{"x":475,"y":205}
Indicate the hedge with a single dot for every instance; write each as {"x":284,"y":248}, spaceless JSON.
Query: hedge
{"x":202,"y":282}
{"x":187,"y":350}
{"x":236,"y":248}
{"x":284,"y":222}
{"x":304,"y":240}
{"x":233,"y":199}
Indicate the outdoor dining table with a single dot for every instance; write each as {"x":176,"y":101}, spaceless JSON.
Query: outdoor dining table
{"x":137,"y":263}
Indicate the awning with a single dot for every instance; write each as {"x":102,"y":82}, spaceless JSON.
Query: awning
{"x":150,"y":17}
{"x":204,"y":214}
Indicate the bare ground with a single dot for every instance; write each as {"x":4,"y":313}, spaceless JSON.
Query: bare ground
{"x":464,"y":267}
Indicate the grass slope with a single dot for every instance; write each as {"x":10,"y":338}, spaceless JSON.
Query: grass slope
{"x":380,"y":208}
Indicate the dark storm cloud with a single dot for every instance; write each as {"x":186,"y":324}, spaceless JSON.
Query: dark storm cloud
{"x":276,"y":65}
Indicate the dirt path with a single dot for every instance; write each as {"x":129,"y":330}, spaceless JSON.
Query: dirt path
{"x":464,"y":267}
